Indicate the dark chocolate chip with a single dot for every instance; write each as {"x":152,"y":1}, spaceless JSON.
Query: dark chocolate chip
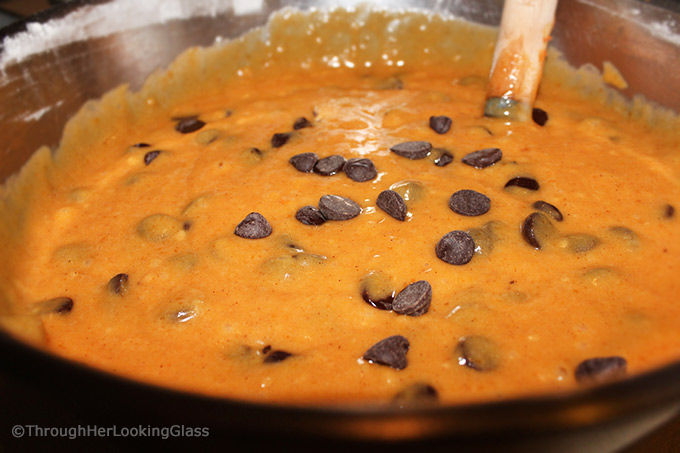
{"x":581,"y":242}
{"x":141,"y":145}
{"x":469,"y":203}
{"x":418,"y":393}
{"x":539,"y":116}
{"x":335,"y":207}
{"x":304,"y":162}
{"x":390,"y":352}
{"x":412,"y":150}
{"x":669,"y":211}
{"x":277,"y":356}
{"x":440,"y":124}
{"x":301,"y":123}
{"x":549,"y":209}
{"x":414,"y":300}
{"x":523,"y":182}
{"x":279,"y":139}
{"x":478,"y":352}
{"x":483,"y":158}
{"x":186,"y":226}
{"x":536,"y":228}
{"x":254,"y":226}
{"x":266,"y":349}
{"x":188,"y":125}
{"x":330,"y":165}
{"x":444,"y":158}
{"x":58,"y":305}
{"x":256,"y":151}
{"x":599,"y":370}
{"x":392,"y":203}
{"x":377,"y":290}
{"x":64,"y":306}
{"x":360,"y":169}
{"x":118,"y":285}
{"x":455,"y":247}
{"x":150,"y":156}
{"x":381,"y":304}
{"x":310,"y":215}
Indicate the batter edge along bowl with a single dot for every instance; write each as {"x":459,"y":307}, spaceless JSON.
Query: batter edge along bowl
{"x":51,"y":63}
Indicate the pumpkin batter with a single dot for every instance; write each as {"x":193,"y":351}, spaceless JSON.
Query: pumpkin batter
{"x":132,"y":248}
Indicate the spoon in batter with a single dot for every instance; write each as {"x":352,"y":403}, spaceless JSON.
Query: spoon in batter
{"x":518,"y":59}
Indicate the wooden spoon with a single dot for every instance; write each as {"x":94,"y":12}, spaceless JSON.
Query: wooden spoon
{"x":518,"y":59}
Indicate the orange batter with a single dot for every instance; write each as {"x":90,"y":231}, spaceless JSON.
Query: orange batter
{"x":143,"y":244}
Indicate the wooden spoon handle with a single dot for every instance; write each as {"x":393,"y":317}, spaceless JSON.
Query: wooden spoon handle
{"x":518,"y":59}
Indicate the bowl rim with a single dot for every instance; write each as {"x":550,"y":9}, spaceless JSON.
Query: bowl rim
{"x":545,"y":412}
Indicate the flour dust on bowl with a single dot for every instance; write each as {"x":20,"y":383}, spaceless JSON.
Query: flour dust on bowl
{"x":313,"y":231}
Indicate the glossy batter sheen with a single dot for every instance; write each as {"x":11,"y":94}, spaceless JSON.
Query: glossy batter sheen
{"x":203,"y":308}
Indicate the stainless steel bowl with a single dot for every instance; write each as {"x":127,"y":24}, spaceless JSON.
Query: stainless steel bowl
{"x":54,"y":62}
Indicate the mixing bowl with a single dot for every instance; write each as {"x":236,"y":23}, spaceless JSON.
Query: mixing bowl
{"x":55,"y":61}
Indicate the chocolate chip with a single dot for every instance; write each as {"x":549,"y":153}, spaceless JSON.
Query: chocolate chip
{"x":549,"y":209}
{"x":392,"y":203}
{"x":478,"y":352}
{"x":669,"y":211}
{"x":58,"y":305}
{"x":390,"y":352}
{"x":410,"y":191}
{"x":440,"y":124}
{"x":266,"y":349}
{"x":523,"y":182}
{"x":310,"y":215}
{"x":580,"y":243}
{"x":456,"y":247}
{"x":330,"y":165}
{"x":301,"y":123}
{"x":182,"y":315}
{"x":444,"y":158}
{"x":254,"y":226}
{"x":412,"y":150}
{"x":335,"y":207}
{"x":418,"y":393}
{"x":469,"y":203}
{"x":483,"y":158}
{"x":485,"y":237}
{"x":539,"y":116}
{"x":600,"y":369}
{"x":280,"y":139}
{"x":277,"y":356}
{"x":186,"y":226}
{"x":141,"y":145}
{"x":625,"y":236}
{"x":377,"y":290}
{"x":159,"y":227}
{"x":256,"y":152}
{"x":536,"y":229}
{"x":304,"y":162}
{"x":64,"y":306}
{"x":414,"y":300}
{"x":360,"y":169}
{"x":150,"y":156}
{"x":188,"y":125}
{"x":118,"y":285}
